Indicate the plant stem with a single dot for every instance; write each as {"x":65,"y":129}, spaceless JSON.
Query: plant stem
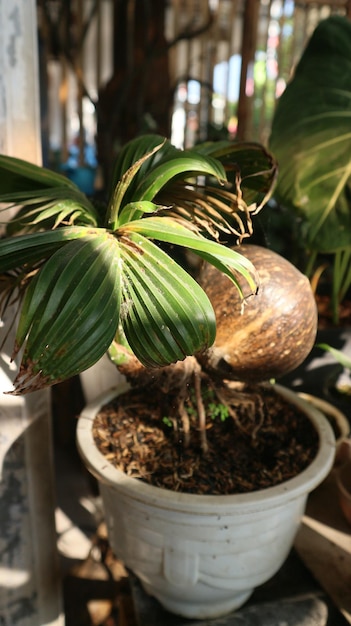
{"x":346,"y":275}
{"x":310,"y":264}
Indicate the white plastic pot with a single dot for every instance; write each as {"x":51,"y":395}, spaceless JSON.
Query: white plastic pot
{"x":202,"y":556}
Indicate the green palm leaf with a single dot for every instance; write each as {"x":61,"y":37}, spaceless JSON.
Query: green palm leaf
{"x":227,"y":260}
{"x":70,"y":313}
{"x":50,"y":214}
{"x":152,"y":172}
{"x":46,"y":198}
{"x":19,"y":175}
{"x":155,"y":146}
{"x":26,"y":249}
{"x":185,"y":166}
{"x":165,"y":314}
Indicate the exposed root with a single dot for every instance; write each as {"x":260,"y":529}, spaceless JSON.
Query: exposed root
{"x":185,"y":421}
{"x":200,"y":411}
{"x":233,"y":396}
{"x":177,"y":378}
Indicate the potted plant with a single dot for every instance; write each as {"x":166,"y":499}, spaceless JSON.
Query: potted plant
{"x":92,"y":280}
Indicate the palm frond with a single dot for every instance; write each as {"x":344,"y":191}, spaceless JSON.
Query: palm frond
{"x":70,"y":312}
{"x":85,"y":272}
{"x":165,"y":314}
{"x":227,"y":260}
{"x":29,"y":187}
{"x":214,"y":210}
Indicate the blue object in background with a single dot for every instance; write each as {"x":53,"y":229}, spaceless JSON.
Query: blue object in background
{"x":82,"y":175}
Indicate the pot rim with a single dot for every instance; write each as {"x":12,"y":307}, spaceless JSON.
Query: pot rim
{"x":303,"y":483}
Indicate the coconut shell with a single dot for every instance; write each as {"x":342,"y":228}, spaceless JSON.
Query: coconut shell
{"x":273,"y":332}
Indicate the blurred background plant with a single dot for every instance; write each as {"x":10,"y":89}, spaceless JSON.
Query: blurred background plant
{"x":311,"y":140}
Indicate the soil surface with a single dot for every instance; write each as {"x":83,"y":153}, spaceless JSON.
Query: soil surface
{"x":263,"y":441}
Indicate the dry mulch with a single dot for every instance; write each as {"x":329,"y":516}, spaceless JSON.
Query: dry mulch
{"x":263,"y":442}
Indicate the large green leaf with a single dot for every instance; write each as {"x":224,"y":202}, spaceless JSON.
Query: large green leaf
{"x":165,"y":314}
{"x":236,"y":181}
{"x":311,"y":137}
{"x":70,"y":313}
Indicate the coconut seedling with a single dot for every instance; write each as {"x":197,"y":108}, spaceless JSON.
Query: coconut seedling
{"x":83,"y":274}
{"x":95,"y":278}
{"x":259,"y":337}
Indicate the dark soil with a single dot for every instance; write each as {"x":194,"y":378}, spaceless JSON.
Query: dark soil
{"x":264,"y":441}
